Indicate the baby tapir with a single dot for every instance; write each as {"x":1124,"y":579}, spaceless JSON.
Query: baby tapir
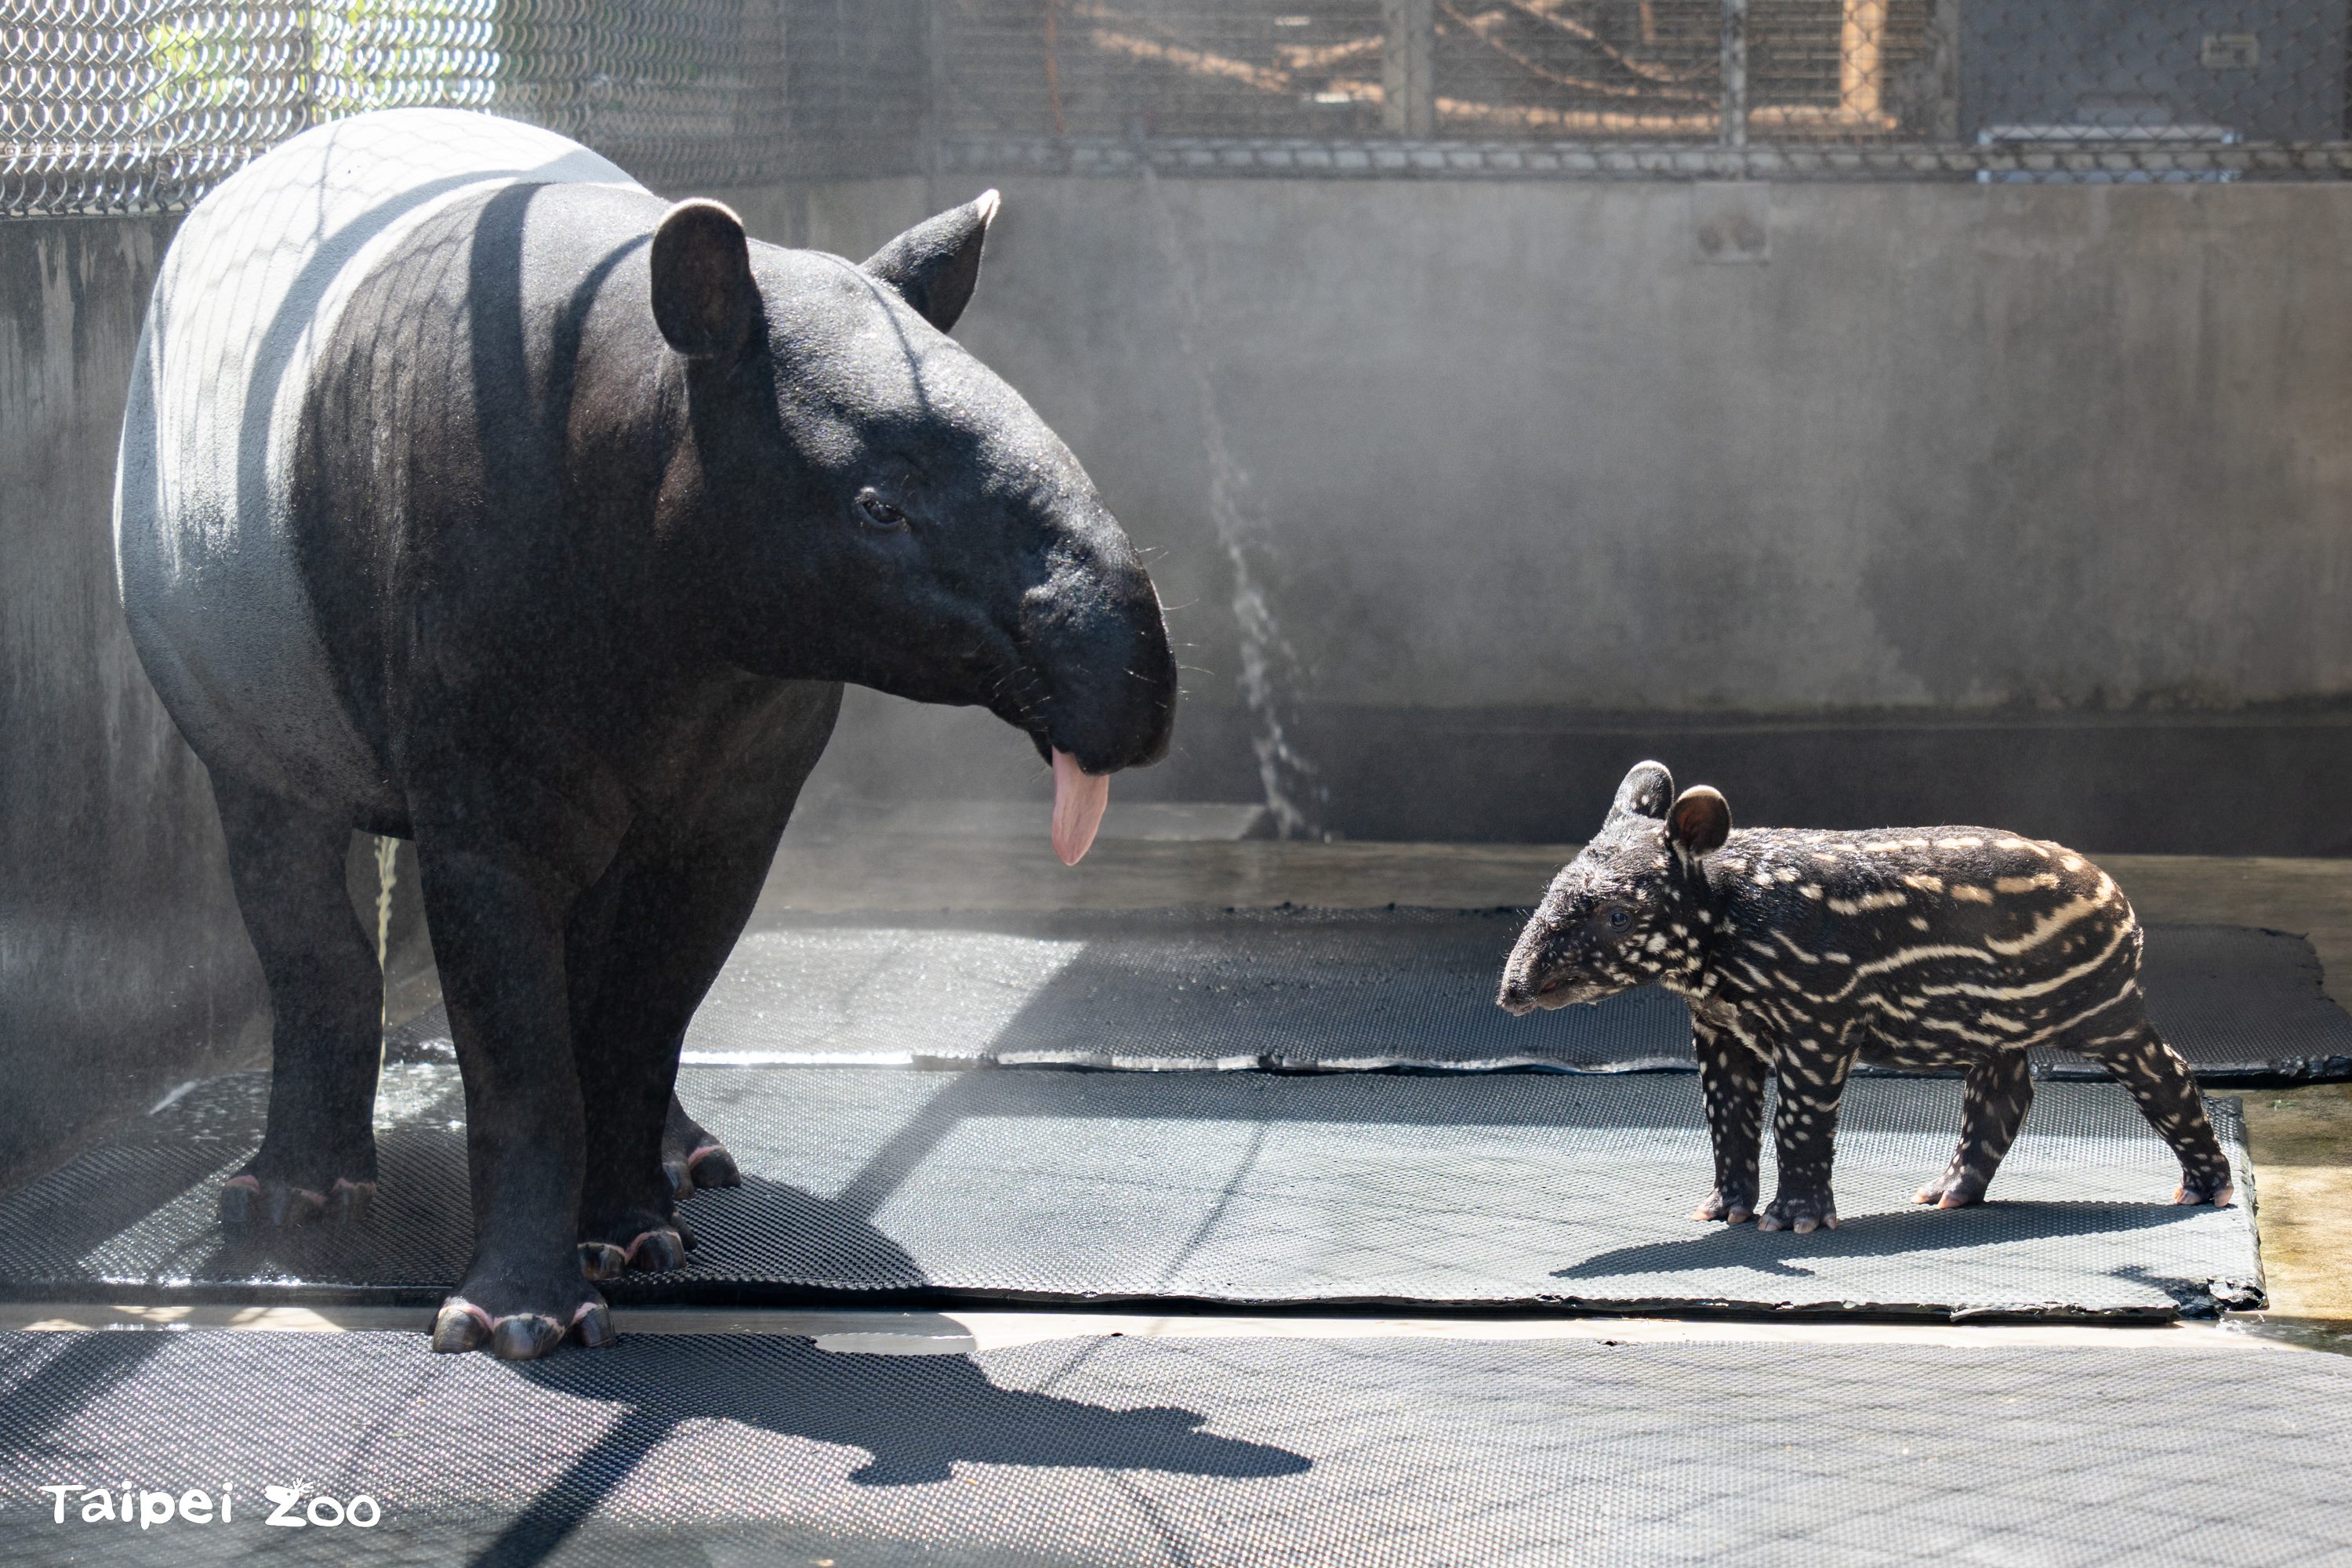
{"x":1800,"y":951}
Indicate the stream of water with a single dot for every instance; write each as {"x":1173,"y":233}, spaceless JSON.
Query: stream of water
{"x":1269,"y":665}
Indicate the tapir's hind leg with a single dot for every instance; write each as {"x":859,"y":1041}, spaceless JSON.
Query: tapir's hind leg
{"x":643,"y":948}
{"x":1998,"y":1091}
{"x":2167,"y":1093}
{"x":692,"y":1156}
{"x":326,"y":1001}
{"x":674,"y":915}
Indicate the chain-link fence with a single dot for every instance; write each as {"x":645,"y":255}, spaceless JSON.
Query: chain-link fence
{"x":129,"y":105}
{"x":135,"y":104}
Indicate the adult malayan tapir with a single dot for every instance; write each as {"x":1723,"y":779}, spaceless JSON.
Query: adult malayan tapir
{"x":469,"y":492}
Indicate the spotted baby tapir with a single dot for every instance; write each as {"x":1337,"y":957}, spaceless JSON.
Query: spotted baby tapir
{"x":1801,"y":952}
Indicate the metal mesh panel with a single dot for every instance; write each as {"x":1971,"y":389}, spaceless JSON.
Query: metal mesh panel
{"x":1645,"y":68}
{"x":130,"y":105}
{"x":123,"y":105}
{"x":1607,"y":69}
{"x":1309,"y":68}
{"x":2109,"y":89}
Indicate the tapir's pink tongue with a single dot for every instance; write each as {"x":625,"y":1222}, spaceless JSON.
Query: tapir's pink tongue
{"x":1078,"y":800}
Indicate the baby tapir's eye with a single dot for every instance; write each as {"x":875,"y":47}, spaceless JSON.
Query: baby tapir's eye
{"x":1617,"y":917}
{"x":879,"y":513}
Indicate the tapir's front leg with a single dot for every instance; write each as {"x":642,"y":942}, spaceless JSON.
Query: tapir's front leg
{"x":1812,"y":1070}
{"x":1732,"y":1079}
{"x":498,"y":913}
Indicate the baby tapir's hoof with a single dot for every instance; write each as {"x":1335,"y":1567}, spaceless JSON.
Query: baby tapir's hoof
{"x":1801,"y":1214}
{"x":246,"y":1199}
{"x":2214,"y":1190}
{"x":1952,"y":1190}
{"x":1733,"y":1208}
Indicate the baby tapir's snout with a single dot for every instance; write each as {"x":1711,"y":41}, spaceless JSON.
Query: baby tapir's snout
{"x":1546,"y":969}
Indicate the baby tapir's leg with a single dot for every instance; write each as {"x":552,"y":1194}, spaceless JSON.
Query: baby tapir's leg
{"x":2168,"y":1097}
{"x":1994,"y":1100}
{"x":1812,"y":1073}
{"x":1731,"y":1077}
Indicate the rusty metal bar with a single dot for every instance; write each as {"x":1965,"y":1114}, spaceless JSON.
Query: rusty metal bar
{"x":1407,"y":68}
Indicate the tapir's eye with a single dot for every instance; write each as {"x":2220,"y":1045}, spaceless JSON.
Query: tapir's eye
{"x":1617,"y":917}
{"x":879,"y":513}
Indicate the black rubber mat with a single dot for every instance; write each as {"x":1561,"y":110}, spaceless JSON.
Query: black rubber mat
{"x":1110,"y":1452}
{"x":1333,"y":989}
{"x":1506,"y":1189}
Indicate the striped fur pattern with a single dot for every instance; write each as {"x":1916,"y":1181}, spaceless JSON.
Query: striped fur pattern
{"x":1801,"y":953}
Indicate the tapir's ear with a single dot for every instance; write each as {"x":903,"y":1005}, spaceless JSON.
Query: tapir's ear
{"x":704,"y":299}
{"x":1645,"y":793}
{"x":1699,"y":822}
{"x":935,"y":265}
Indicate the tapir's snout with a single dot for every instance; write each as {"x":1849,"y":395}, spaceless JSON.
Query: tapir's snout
{"x":1541,"y":973}
{"x":1099,"y":643}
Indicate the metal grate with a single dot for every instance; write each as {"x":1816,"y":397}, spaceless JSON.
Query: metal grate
{"x":142,"y":105}
{"x":133,"y":105}
{"x":2104,"y":90}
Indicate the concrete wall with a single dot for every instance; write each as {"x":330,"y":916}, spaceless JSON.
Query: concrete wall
{"x":2020,"y":504}
{"x":1538,"y":478}
{"x":123,"y":969}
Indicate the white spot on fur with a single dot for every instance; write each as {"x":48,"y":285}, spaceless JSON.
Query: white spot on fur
{"x":1887,"y":900}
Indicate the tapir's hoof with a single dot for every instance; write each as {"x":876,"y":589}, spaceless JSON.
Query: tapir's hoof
{"x":2220,"y":1197}
{"x":653,"y":1252}
{"x":246,"y":1199}
{"x":351,"y":1201}
{"x":711,"y":1165}
{"x":462,"y":1326}
{"x":249,"y":1200}
{"x":1948,"y":1193}
{"x":593,"y":1324}
{"x":1731,"y":1210}
{"x":1803,"y":1215}
{"x":526,"y":1336}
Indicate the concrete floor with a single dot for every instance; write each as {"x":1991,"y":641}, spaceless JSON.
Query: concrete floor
{"x":2302,"y":1138}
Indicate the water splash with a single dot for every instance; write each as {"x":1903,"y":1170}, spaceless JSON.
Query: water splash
{"x":1269,"y":664}
{"x":387,"y":851}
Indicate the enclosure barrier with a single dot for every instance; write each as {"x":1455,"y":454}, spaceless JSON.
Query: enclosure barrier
{"x":143,"y":105}
{"x":2104,"y":90}
{"x":131,"y":105}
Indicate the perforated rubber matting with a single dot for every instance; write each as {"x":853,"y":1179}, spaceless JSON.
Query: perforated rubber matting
{"x":1112,"y":1452}
{"x":1502,"y":1189}
{"x":1334,"y":989}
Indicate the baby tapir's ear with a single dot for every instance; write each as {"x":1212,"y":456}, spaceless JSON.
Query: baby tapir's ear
{"x":935,"y":265}
{"x":704,"y":298}
{"x":1645,"y":793}
{"x":1699,"y":822}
